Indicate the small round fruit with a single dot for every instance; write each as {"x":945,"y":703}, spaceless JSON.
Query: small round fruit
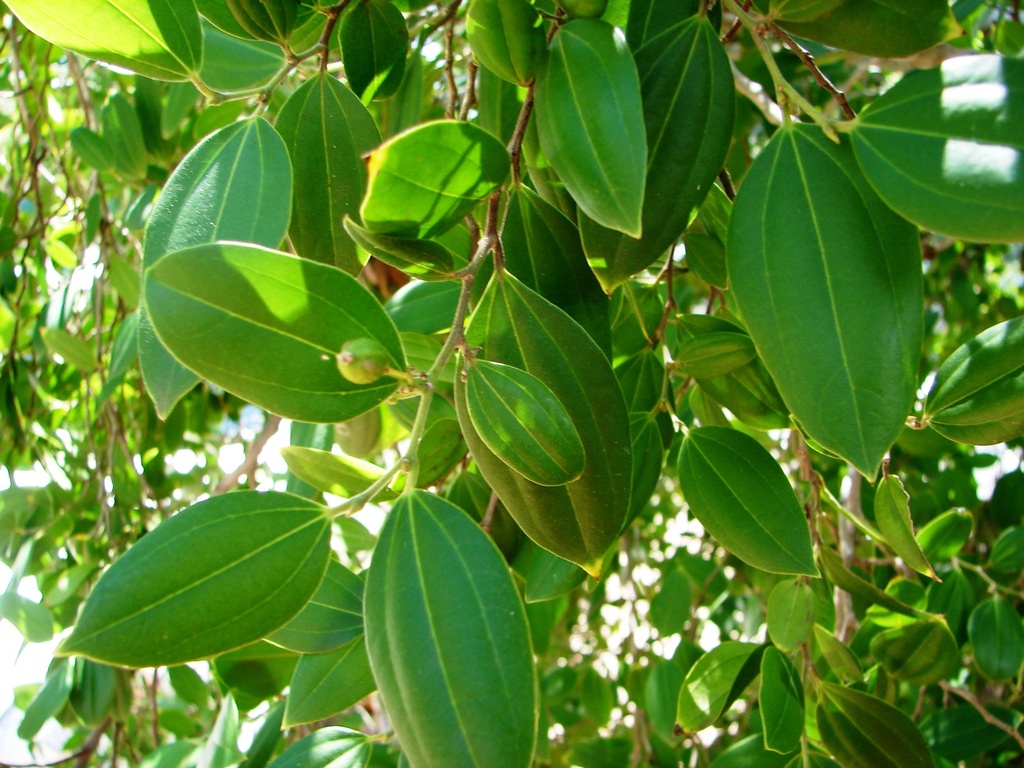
{"x":362,"y":361}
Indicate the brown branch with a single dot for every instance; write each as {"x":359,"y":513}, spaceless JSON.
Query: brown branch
{"x":252,"y":456}
{"x":333,"y":15}
{"x":451,"y":109}
{"x":987,"y":716}
{"x":819,"y":77}
{"x":515,"y":144}
{"x":735,"y":28}
{"x":726,"y":181}
{"x":82,"y":755}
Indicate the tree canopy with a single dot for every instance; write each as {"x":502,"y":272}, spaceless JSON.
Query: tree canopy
{"x":510,"y":383}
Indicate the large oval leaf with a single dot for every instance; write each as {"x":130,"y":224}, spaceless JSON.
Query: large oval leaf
{"x":374,"y":42}
{"x":921,"y":653}
{"x":156,"y":38}
{"x":331,"y":619}
{"x":233,"y":64}
{"x":714,"y":681}
{"x":327,"y":130}
{"x":330,"y":747}
{"x":879,"y":28}
{"x":997,"y":638}
{"x":892,"y":514}
{"x":829,"y":283}
{"x":507,"y":37}
{"x":978,"y":394}
{"x":945,"y":148}
{"x":325,"y":684}
{"x":448,"y":640}
{"x":686,"y":84}
{"x":422,"y":182}
{"x":865,"y":732}
{"x":281,"y":321}
{"x":523,"y":423}
{"x":217,"y":576}
{"x":234,"y":185}
{"x":742,"y":497}
{"x":580,"y":520}
{"x":782,"y":702}
{"x":590,"y":122}
{"x":792,"y":606}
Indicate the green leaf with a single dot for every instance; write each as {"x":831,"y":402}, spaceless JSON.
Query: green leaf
{"x":523,"y":423}
{"x":244,"y":168}
{"x":686,"y":86}
{"x":334,"y":473}
{"x":421,"y":259}
{"x":255,"y":673}
{"x":961,"y":733}
{"x":944,"y":536}
{"x":330,"y":747}
{"x":846,"y":285}
{"x":92,"y":149}
{"x":542,"y":248}
{"x":781,"y":701}
{"x":945,"y":148}
{"x":448,"y":641}
{"x":892,"y":514}
{"x":424,"y":181}
{"x":230,"y":64}
{"x":791,"y":613}
{"x":74,"y":350}
{"x":842,"y":577}
{"x":741,"y":496}
{"x":189,"y":686}
{"x":802,"y":10}
{"x":547,"y":575}
{"x":327,"y":130}
{"x":331,"y":619}
{"x":123,"y":132}
{"x":978,"y":394}
{"x":1007,"y":553}
{"x":708,"y":687}
{"x":218,"y":575}
{"x":265,"y":742}
{"x":294,"y":315}
{"x":864,"y":732}
{"x":156,"y":38}
{"x":325,"y":684}
{"x":507,"y":37}
{"x":921,"y":653}
{"x":837,"y":654}
{"x":221,"y":747}
{"x":705,"y":255}
{"x":423,"y":308}
{"x":92,"y":695}
{"x":670,"y":608}
{"x":49,"y":700}
{"x":997,"y":638}
{"x":271,"y":20}
{"x":374,"y":42}
{"x":714,"y":354}
{"x":580,"y":520}
{"x":879,"y":28}
{"x":590,"y":122}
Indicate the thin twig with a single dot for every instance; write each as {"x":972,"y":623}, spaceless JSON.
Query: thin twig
{"x":84,"y":753}
{"x":987,"y":716}
{"x":736,"y":25}
{"x":515,"y":144}
{"x":820,"y":77}
{"x":333,"y":15}
{"x":252,"y":456}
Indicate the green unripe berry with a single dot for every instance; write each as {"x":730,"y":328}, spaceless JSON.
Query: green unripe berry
{"x":362,"y":361}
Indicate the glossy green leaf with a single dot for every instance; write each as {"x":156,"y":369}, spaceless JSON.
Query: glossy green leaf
{"x":507,"y":37}
{"x":441,"y":449}
{"x":71,"y":349}
{"x":547,"y":575}
{"x":705,"y":256}
{"x":892,"y":514}
{"x":670,"y":608}
{"x":661,"y":694}
{"x":374,"y":41}
{"x":327,"y":130}
{"x":880,"y":28}
{"x":580,"y":520}
{"x":941,"y":538}
{"x":847,"y":285}
{"x":802,"y":10}
{"x":686,"y":87}
{"x":255,"y":673}
{"x":243,"y":169}
{"x":325,"y":684}
{"x":961,"y":732}
{"x":921,"y":653}
{"x":837,"y":654}
{"x":523,"y":423}
{"x":264,"y":743}
{"x":842,"y":577}
{"x":294,"y":315}
{"x":330,"y":747}
{"x":231,"y":64}
{"x":865,"y":732}
{"x":742,"y":497}
{"x":219,"y":14}
{"x":791,"y":613}
{"x":997,"y":637}
{"x":422,"y":182}
{"x":648,"y":448}
{"x":271,"y":20}
{"x":978,"y":394}
{"x":331,"y":619}
{"x":448,"y":640}
{"x":33,"y":620}
{"x":92,"y":694}
{"x":954,"y":599}
{"x":542,"y":248}
{"x":782,"y":702}
{"x":708,"y":687}
{"x":749,"y":752}
{"x":49,"y":700}
{"x":218,"y":575}
{"x":221,"y":747}
{"x":1008,"y":551}
{"x":156,"y":38}
{"x":945,"y":148}
{"x":334,"y":473}
{"x":423,"y":308}
{"x":122,"y":130}
{"x":714,"y":354}
{"x":421,"y":259}
{"x":590,"y":122}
